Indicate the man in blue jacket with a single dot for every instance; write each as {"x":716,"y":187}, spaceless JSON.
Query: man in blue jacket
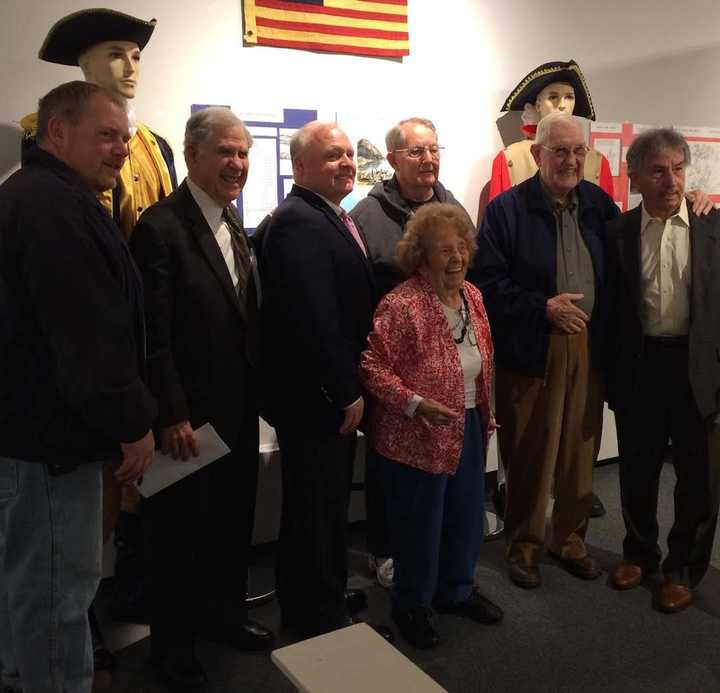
{"x":541,"y":267}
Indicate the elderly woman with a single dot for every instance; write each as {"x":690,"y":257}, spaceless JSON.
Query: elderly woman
{"x":428,"y":368}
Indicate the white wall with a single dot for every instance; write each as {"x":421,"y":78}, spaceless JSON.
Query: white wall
{"x":647,"y":61}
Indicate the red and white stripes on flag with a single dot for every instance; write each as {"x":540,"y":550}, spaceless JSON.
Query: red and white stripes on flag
{"x":360,"y":27}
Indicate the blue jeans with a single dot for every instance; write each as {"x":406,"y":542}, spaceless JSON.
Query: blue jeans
{"x":436,"y":524}
{"x":50,"y":568}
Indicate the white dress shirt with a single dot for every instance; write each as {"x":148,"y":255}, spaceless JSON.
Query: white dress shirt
{"x":213,"y":216}
{"x":665,"y":273}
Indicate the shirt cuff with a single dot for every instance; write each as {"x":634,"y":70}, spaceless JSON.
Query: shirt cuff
{"x":413,"y":405}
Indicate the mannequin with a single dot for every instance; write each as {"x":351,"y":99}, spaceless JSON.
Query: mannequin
{"x":107,"y":45}
{"x":551,"y":87}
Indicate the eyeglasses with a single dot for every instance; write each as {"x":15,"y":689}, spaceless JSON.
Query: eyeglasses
{"x":418,"y":152}
{"x":564,"y":152}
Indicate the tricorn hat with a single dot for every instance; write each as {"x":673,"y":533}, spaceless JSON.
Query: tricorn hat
{"x":532,"y":84}
{"x":72,"y":35}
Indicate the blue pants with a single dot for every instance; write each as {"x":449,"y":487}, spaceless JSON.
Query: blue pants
{"x":436,"y":524}
{"x":50,"y":568}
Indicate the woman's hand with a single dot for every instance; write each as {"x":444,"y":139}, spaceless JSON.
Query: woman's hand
{"x":435,"y":413}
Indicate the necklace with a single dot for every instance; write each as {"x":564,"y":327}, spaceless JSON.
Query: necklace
{"x":464,"y":323}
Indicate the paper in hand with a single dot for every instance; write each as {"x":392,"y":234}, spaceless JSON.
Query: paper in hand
{"x":165,"y":471}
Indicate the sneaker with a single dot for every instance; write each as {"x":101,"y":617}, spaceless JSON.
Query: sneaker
{"x":383,"y":570}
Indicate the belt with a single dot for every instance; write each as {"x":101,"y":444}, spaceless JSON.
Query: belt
{"x":667,"y":342}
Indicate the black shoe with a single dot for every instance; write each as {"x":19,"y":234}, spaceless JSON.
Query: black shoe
{"x":475,"y":607}
{"x":248,"y":635}
{"x":355,"y":600}
{"x":527,"y":577}
{"x":597,"y":509}
{"x":182,"y":672}
{"x":417,"y":627}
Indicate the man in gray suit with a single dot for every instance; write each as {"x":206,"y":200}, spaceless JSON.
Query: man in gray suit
{"x":665,"y":367}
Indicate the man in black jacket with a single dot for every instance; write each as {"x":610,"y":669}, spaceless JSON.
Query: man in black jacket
{"x":71,"y":397}
{"x":202,"y":297}
{"x":665,"y":373}
{"x":319,"y":296}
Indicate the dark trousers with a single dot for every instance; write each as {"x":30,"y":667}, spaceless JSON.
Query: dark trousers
{"x":436,"y":524}
{"x":377,"y":532}
{"x":311,"y":572}
{"x":664,"y":408}
{"x":199,"y":532}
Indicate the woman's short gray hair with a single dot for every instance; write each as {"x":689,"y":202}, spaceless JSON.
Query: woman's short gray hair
{"x":201,"y":125}
{"x":412,"y":247}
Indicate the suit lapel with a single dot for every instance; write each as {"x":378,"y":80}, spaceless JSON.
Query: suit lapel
{"x":316,"y":201}
{"x":210,"y":249}
{"x":703,"y":253}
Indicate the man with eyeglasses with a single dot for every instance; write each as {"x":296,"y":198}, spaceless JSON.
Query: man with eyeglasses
{"x":541,"y":267}
{"x":414,"y":154}
{"x":664,"y":377}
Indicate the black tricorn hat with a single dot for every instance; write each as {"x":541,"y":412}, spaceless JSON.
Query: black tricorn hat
{"x":72,"y":35}
{"x":532,"y":84}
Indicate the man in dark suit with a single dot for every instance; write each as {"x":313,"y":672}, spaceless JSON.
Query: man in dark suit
{"x":665,"y":374}
{"x":317,"y":312}
{"x":201,"y":297}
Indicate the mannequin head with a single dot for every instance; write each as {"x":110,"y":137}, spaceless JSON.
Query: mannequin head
{"x":106,"y":44}
{"x":558,"y":97}
{"x":114,"y":65}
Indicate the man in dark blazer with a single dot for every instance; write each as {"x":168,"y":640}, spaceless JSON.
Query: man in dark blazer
{"x":202,"y":304}
{"x":317,"y":311}
{"x":665,"y":367}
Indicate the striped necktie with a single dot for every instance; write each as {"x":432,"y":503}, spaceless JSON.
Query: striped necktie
{"x":350,"y":225}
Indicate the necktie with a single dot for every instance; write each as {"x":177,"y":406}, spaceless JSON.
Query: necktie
{"x":241,"y":251}
{"x":350,"y":224}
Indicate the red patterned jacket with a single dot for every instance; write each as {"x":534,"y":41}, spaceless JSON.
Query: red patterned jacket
{"x":411,"y":351}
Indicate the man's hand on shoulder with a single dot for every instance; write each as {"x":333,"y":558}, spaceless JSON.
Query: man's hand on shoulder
{"x":701,"y":203}
{"x":565,"y":315}
{"x":136,"y":458}
{"x":353,"y":417}
{"x":179,"y":441}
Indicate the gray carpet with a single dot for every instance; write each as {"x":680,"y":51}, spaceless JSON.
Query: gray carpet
{"x":568,"y":636}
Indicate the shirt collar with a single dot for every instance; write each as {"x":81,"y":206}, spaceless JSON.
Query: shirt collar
{"x":681,"y":214}
{"x":335,"y":208}
{"x":209,"y":208}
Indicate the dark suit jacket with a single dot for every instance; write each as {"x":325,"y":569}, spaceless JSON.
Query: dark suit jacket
{"x":197,"y":327}
{"x":318,"y":299}
{"x":623,"y":255}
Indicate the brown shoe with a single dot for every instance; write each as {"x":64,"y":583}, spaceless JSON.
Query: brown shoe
{"x":527,"y":577}
{"x":673,"y":597}
{"x":585,"y":568}
{"x":627,"y":576}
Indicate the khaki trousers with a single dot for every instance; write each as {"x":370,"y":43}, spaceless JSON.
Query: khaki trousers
{"x":550,"y":432}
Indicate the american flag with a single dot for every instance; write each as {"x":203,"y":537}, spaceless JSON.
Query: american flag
{"x":360,"y":27}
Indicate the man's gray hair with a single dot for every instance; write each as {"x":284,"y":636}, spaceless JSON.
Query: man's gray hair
{"x":68,"y":102}
{"x":201,"y":125}
{"x":546,"y":124}
{"x":395,"y":138}
{"x":652,"y":142}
